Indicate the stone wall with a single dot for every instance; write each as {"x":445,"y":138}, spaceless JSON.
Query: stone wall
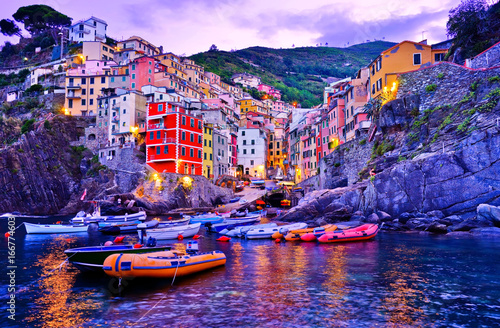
{"x":488,"y":58}
{"x":450,"y":88}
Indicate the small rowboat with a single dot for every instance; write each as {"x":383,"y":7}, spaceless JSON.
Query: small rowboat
{"x":313,"y":236}
{"x":80,"y":218}
{"x":166,"y":264}
{"x":54,"y":228}
{"x":205,"y":218}
{"x":92,"y":258}
{"x":259,"y":233}
{"x":232,"y":223}
{"x":295,"y":235}
{"x":234,"y":200}
{"x":242,"y":230}
{"x":127,"y":228}
{"x":364,"y":232}
{"x":186,"y":231}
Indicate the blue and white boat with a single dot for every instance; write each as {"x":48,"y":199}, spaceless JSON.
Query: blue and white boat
{"x":211,"y":218}
{"x":232,"y":223}
{"x":96,"y":217}
{"x":242,"y":230}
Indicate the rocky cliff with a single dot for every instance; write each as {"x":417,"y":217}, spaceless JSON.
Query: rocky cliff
{"x":436,"y":156}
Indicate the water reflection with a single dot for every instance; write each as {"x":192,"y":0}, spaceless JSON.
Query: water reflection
{"x":404,"y":295}
{"x":57,"y":305}
{"x":335,"y":283}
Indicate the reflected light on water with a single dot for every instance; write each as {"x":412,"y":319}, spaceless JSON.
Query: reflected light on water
{"x":57,"y":305}
{"x":403,"y":295}
{"x":335,"y":283}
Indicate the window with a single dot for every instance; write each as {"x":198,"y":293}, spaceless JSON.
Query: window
{"x":165,"y":150}
{"x":91,"y":80}
{"x":103,"y":79}
{"x":417,"y":59}
{"x":84,"y":80}
{"x":244,"y":142}
{"x":158,"y":134}
{"x":191,"y":152}
{"x":183,"y":151}
{"x":183,"y":135}
{"x":379,"y":64}
{"x":205,"y":156}
{"x":184,"y":120}
{"x":192,"y":123}
{"x":251,"y":162}
{"x":123,"y":79}
{"x":270,"y":146}
{"x":253,"y":142}
{"x":133,"y":68}
{"x":199,"y":139}
{"x":210,"y":143}
{"x":91,"y":102}
{"x":244,"y":151}
{"x":223,"y":153}
{"x":83,"y":102}
{"x":438,"y":57}
{"x":242,"y":133}
{"x":278,"y":144}
{"x":271,"y":154}
{"x":124,"y":111}
{"x":160,"y":107}
{"x":278,"y":152}
{"x":158,"y":149}
{"x":252,"y":151}
{"x":70,"y":103}
{"x":133,"y":76}
{"x":205,"y":142}
{"x":91,"y":91}
{"x":210,"y":156}
{"x":379,"y":84}
{"x":223,"y":141}
{"x":191,"y":137}
{"x":84,"y":92}
{"x":199,"y":125}
{"x":199,"y":153}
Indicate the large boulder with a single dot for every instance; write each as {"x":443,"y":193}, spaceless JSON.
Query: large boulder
{"x":489,"y":212}
{"x":437,"y":227}
{"x":472,"y":223}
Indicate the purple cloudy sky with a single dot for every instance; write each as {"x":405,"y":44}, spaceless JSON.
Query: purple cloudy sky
{"x":192,"y":26}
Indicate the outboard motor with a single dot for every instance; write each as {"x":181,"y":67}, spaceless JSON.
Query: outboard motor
{"x":141,"y":231}
{"x":151,"y":242}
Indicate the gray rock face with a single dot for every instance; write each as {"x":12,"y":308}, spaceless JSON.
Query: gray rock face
{"x":396,"y":114}
{"x":437,"y":227}
{"x":373,"y":218}
{"x":489,"y":212}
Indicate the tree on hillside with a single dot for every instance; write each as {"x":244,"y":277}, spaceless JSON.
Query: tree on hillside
{"x":474,"y":26}
{"x":41,"y":18}
{"x":9,"y":28}
{"x":213,"y":47}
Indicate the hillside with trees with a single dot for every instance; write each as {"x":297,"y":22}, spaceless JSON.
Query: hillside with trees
{"x":300,"y":73}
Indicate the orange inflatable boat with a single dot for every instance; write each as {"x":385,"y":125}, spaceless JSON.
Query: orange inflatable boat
{"x":296,"y":234}
{"x":364,"y":232}
{"x":166,"y":264}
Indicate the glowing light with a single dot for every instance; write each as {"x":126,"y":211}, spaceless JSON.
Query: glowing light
{"x":66,"y":111}
{"x":155,"y":176}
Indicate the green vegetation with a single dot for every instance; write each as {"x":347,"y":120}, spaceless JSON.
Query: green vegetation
{"x":47,"y":125}
{"x":431,"y":88}
{"x":27,"y":126}
{"x":493,"y":79}
{"x":401,"y":158}
{"x":299,"y":73}
{"x":492,"y":101}
{"x":336,"y":164}
{"x":14,"y":171}
{"x":20,"y":150}
{"x":474,"y":85}
{"x":468,"y":97}
{"x":465,"y":124}
{"x":34,"y":88}
{"x":13,"y":78}
{"x":440,"y":76}
{"x":474,"y":27}
{"x":362,"y":142}
{"x":380,"y":149}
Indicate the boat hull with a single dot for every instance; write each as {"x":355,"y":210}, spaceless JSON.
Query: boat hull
{"x":232,"y":223}
{"x":109,"y":218}
{"x":296,"y":235}
{"x":364,"y":232}
{"x":186,"y":231}
{"x":161,"y":264}
{"x":32,"y":228}
{"x":92,"y":258}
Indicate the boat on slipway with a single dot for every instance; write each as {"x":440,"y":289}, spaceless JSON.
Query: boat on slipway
{"x":261,"y":233}
{"x":186,"y":231}
{"x":167,"y":264}
{"x":361,"y":233}
{"x":33,"y":228}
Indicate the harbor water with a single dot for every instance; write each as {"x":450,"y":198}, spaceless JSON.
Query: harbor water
{"x":395,"y":280}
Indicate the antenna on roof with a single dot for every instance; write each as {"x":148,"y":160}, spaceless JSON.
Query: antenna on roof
{"x":423,"y":35}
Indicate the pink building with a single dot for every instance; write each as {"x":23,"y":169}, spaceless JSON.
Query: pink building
{"x":213,"y":78}
{"x":279,"y":106}
{"x":142,"y":72}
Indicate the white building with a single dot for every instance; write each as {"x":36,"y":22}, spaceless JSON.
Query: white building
{"x":220,"y":154}
{"x":252,"y":151}
{"x":92,"y":29}
{"x":246,"y":80}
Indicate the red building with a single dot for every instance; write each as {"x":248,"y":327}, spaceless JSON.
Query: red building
{"x":174,"y":139}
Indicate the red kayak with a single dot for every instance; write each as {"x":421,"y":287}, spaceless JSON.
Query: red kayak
{"x":364,"y":232}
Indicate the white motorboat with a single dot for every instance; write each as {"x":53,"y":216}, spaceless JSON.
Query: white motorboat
{"x":241,"y":231}
{"x":96,"y":217}
{"x":261,"y":233}
{"x":53,"y":228}
{"x":186,"y":231}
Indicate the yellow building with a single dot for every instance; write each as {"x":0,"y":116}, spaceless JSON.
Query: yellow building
{"x":95,"y":50}
{"x":208,"y":161}
{"x":82,"y":92}
{"x":403,"y":57}
{"x":251,"y":105}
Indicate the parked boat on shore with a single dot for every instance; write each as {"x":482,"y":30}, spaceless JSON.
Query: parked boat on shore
{"x":167,"y":264}
{"x":242,"y":230}
{"x":294,"y":235}
{"x":364,"y":232}
{"x":232,"y":223}
{"x":33,"y":228}
{"x":260,"y":233}
{"x":186,"y":231}
{"x":92,"y":257}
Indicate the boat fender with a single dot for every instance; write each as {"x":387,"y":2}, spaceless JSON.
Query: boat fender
{"x":58,"y":222}
{"x":224,"y":238}
{"x":119,"y":239}
{"x":180,"y":237}
{"x":170,"y":218}
{"x":7,"y":235}
{"x":278,"y":240}
{"x":108,"y":243}
{"x":137,"y":245}
{"x":196,"y":236}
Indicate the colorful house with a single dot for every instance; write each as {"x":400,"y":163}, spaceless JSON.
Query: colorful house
{"x":403,"y":57}
{"x":208,"y":161}
{"x":174,"y":139}
{"x":142,"y":72}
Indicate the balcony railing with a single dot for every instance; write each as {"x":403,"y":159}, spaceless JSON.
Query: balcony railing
{"x":115,"y":119}
{"x":156,"y":126}
{"x":71,"y":94}
{"x":73,"y":86}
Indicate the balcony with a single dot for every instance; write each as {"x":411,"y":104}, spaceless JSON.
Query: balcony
{"x":73,"y":86}
{"x":72,"y":95}
{"x":156,"y":126}
{"x":169,"y":140}
{"x":115,"y":119}
{"x":364,"y":125}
